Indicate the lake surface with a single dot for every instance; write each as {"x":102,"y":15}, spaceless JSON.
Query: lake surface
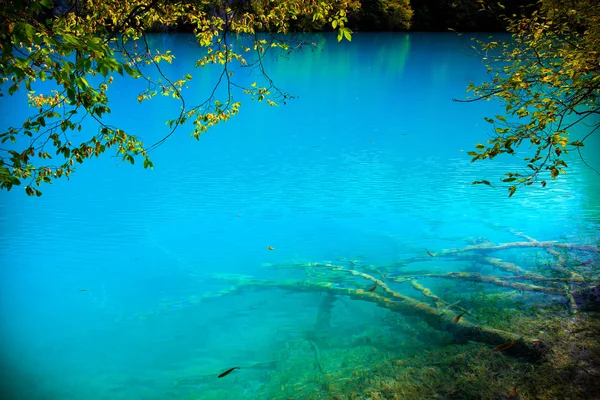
{"x":125,"y":283}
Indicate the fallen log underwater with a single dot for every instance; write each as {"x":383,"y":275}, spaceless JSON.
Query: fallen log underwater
{"x":340,"y":281}
{"x":326,"y":278}
{"x":530,"y":348}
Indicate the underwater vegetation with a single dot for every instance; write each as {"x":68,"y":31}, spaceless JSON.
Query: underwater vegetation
{"x":516,"y":320}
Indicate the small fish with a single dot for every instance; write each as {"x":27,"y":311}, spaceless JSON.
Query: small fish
{"x":506,"y":345}
{"x":586,"y":262}
{"x":230,"y":370}
{"x":457,"y":318}
{"x":373,"y":288}
{"x":431,"y":255}
{"x":270,"y":248}
{"x":83,"y":290}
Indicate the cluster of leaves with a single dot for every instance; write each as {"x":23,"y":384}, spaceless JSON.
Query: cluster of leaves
{"x":548,"y":77}
{"x":79,"y":46}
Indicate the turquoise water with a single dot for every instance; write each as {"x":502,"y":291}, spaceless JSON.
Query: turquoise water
{"x":108,"y":285}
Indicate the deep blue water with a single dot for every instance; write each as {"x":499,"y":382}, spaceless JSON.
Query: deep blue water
{"x":368,"y":162}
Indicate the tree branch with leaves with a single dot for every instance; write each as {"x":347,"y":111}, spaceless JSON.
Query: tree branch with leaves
{"x":548,"y":79}
{"x":81,"y":46}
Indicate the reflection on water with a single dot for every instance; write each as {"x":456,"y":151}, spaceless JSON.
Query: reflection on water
{"x":108,"y":280}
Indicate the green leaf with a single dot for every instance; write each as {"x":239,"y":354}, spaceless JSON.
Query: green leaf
{"x":70,"y":39}
{"x":103,"y":70}
{"x":71,"y":95}
{"x":511,"y":190}
{"x":131,"y":71}
{"x":482,"y":182}
{"x":13,"y":89}
{"x":348,"y":34}
{"x":82,"y":83}
{"x":25,"y":32}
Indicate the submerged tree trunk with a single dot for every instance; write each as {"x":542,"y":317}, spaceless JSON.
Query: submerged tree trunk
{"x":462,"y":330}
{"x":334,"y":281}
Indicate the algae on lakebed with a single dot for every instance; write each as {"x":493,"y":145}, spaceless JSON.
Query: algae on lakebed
{"x":569,"y":370}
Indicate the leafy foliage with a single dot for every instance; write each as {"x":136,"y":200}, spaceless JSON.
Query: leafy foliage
{"x":384,"y":15}
{"x":81,"y":45}
{"x":548,"y":77}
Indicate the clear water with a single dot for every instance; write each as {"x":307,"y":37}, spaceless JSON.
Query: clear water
{"x":108,"y":280}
